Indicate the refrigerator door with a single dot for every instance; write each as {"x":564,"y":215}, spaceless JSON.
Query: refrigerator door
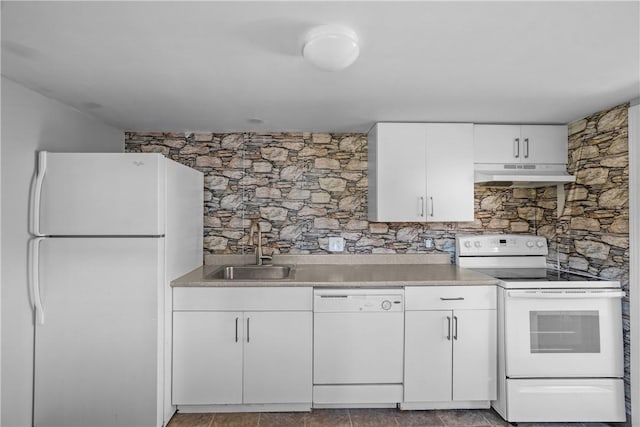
{"x":99,"y":194}
{"x":97,"y":355}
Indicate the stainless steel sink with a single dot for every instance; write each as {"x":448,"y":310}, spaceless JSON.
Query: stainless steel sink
{"x":253,"y":272}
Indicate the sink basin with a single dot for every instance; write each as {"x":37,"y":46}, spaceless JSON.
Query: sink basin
{"x":252,"y":272}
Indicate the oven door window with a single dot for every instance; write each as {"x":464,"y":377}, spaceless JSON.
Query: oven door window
{"x":564,"y":331}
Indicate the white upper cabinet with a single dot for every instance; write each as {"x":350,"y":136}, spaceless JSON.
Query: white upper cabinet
{"x":449,"y":172}
{"x":421,"y":172}
{"x":397,"y":172}
{"x":520,"y":144}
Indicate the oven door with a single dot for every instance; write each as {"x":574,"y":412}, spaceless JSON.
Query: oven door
{"x":563,"y":333}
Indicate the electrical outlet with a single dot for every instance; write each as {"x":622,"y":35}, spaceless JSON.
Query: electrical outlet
{"x":336,"y":244}
{"x":428,"y":243}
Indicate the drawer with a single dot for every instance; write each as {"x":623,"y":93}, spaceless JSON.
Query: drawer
{"x":243,"y":299}
{"x":450,"y":297}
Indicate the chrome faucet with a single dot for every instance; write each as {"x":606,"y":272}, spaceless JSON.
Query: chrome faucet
{"x":260,"y":258}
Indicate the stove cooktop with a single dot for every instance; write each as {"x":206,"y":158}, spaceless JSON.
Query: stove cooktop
{"x":512,"y":278}
{"x":520,"y":262}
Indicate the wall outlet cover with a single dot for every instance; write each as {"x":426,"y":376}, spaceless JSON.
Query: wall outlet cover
{"x":336,"y":244}
{"x":428,"y":243}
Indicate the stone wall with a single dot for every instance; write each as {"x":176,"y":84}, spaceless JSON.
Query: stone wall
{"x":593,"y":231}
{"x":304,"y":188}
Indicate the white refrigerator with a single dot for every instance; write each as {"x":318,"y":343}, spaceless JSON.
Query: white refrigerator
{"x":110,"y":233}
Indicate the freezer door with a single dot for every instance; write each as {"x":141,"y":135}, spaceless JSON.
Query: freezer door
{"x":98,"y":361}
{"x":99,"y":194}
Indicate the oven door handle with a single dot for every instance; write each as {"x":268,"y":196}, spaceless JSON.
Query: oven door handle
{"x":565,"y":295}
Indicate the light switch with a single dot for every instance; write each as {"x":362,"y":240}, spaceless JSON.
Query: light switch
{"x":336,"y":244}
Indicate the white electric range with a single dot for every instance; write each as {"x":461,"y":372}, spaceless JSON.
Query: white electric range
{"x":560,"y":347}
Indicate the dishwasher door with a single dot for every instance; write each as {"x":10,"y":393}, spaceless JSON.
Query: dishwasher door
{"x":358,"y":336}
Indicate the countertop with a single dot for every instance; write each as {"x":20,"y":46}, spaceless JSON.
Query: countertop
{"x":351,"y":275}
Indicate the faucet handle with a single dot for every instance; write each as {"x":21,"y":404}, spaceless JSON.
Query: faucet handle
{"x":266,"y":259}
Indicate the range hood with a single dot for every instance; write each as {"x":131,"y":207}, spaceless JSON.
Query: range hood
{"x":521,"y":175}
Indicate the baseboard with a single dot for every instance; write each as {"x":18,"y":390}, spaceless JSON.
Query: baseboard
{"x":460,"y":404}
{"x":273,"y":407}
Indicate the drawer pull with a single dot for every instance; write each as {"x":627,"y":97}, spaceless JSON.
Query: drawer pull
{"x":452,"y":299}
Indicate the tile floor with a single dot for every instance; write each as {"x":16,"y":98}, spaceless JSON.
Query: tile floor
{"x":357,"y":418}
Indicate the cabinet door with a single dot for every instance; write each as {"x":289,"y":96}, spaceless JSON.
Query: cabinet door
{"x":397,"y":182}
{"x":474,"y":355}
{"x":278,"y":357}
{"x":544,"y":144}
{"x":449,"y":170}
{"x":497,"y":144}
{"x":427,"y":369}
{"x":207,"y":357}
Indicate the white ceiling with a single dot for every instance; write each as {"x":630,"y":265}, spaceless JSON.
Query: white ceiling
{"x":218,"y":66}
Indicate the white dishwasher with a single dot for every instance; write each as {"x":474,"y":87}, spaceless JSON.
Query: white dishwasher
{"x":358,"y":337}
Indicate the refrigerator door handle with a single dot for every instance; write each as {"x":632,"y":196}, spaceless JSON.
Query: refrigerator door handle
{"x":37,"y":193}
{"x":34,"y":272}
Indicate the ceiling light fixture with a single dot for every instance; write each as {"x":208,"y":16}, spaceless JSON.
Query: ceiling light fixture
{"x":331,"y":47}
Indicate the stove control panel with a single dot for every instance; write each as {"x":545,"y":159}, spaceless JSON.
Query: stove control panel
{"x":501,"y":245}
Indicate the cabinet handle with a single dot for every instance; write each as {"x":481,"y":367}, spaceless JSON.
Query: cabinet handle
{"x":516,"y":147}
{"x":448,"y":328}
{"x":526,"y":148}
{"x":421,"y":206}
{"x":237,"y":329}
{"x":455,"y":327}
{"x":452,"y":299}
{"x":248,"y":329}
{"x":431,"y":200}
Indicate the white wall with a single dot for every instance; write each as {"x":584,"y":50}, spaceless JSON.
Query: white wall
{"x":30,"y":122}
{"x":634,"y":258}
{"x":0,"y":270}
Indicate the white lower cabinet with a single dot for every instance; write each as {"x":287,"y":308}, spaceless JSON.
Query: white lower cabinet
{"x":250,"y":348}
{"x":277,"y":358}
{"x":207,"y":360}
{"x":242,"y":357}
{"x":450,"y":347}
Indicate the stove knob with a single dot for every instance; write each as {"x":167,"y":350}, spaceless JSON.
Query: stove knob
{"x":477,"y":244}
{"x":540,"y":243}
{"x":529,"y":244}
{"x":386,"y":304}
{"x":467,"y":244}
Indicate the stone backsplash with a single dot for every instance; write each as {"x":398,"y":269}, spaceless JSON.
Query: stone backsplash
{"x":306,"y":187}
